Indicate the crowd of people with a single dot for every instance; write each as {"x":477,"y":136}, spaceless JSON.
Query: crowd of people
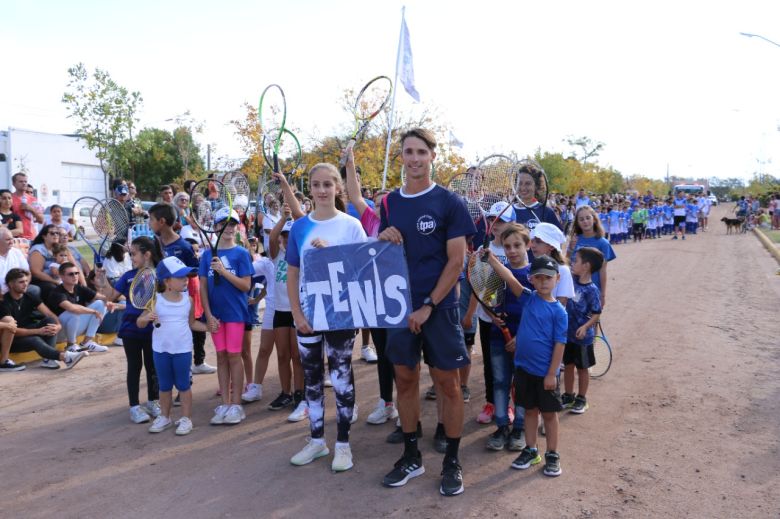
{"x":553,"y":259}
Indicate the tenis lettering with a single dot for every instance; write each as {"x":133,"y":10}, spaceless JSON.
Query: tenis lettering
{"x":356,"y":286}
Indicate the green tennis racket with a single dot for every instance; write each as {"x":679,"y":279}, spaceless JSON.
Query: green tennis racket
{"x":272,"y":114}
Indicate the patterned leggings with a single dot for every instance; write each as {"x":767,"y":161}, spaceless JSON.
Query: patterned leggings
{"x":338,"y":348}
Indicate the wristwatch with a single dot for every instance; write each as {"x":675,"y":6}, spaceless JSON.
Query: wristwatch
{"x":429,"y":302}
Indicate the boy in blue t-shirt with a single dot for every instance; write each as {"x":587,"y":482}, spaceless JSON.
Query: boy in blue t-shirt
{"x":583,"y":310}
{"x":539,"y":350}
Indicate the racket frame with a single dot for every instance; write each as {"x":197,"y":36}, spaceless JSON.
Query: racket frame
{"x":599,"y":370}
{"x":488,"y":308}
{"x":280,"y":128}
{"x":97,"y":258}
{"x":361,"y":123}
{"x":149,"y":305}
{"x":217,"y":233}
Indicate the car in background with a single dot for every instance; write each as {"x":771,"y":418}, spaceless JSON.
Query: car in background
{"x":713,"y":199}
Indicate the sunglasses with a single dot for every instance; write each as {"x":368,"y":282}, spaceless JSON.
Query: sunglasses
{"x":71,"y":274}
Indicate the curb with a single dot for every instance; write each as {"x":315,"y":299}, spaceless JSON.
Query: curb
{"x":771,"y":247}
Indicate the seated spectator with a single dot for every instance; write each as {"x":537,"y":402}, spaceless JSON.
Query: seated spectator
{"x":80,"y":309}
{"x":41,"y":257}
{"x":61,"y":255}
{"x":116,"y":262}
{"x":10,"y":257}
{"x":36,"y":325}
{"x":75,"y":256}
{"x":10,"y":220}
{"x":55,"y":217}
{"x":7,"y":331}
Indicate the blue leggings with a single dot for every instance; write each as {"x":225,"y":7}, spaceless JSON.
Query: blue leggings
{"x":172,"y":369}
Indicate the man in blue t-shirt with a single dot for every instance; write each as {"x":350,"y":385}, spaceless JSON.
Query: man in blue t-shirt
{"x":432,"y":223}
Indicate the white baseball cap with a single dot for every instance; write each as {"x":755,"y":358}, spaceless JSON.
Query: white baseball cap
{"x":549,"y":234}
{"x":222,"y":215}
{"x":496,"y":210}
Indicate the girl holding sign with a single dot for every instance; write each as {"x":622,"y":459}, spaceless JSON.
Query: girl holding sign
{"x":326,"y":226}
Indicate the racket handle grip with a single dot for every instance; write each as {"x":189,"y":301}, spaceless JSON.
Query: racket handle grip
{"x":276,"y":164}
{"x":506,"y":334}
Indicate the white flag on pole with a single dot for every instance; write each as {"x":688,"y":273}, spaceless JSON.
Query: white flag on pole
{"x":406,"y":72}
{"x":454,"y":141}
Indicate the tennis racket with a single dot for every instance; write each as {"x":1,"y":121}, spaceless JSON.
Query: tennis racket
{"x":488,"y":288}
{"x":603,"y":353}
{"x":238,"y":187}
{"x":88,"y":215}
{"x":369,"y":103}
{"x":495,"y":174}
{"x":288,"y":156}
{"x":465,"y":186}
{"x":539,"y":187}
{"x":143,"y":290}
{"x":272,"y":114}
{"x":215,"y":197}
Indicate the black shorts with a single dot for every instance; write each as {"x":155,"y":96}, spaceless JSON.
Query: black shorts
{"x":581,"y":356}
{"x":530,"y":393}
{"x":441,"y":341}
{"x":679,"y":220}
{"x":283,"y":319}
{"x":639,"y":227}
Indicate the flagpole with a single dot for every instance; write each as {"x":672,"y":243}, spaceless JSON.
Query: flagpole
{"x":391,"y":120}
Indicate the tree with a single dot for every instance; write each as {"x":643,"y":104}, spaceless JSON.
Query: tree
{"x":105,"y":114}
{"x":153,"y":159}
{"x":588,"y":148}
{"x":186,"y":125}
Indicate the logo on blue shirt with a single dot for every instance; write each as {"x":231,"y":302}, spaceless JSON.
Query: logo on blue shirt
{"x":426,"y":224}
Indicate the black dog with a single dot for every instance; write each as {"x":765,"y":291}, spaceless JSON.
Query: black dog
{"x":732,"y":223}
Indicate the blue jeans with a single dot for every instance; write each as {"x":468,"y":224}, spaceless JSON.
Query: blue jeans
{"x":503,"y":368}
{"x":76,"y":324}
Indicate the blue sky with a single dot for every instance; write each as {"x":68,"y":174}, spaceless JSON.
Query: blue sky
{"x":658,"y":82}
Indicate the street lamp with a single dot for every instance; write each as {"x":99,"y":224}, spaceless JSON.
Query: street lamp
{"x":749,"y":35}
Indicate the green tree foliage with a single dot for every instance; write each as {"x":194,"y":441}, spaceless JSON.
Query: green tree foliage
{"x":153,"y":158}
{"x":105,"y":114}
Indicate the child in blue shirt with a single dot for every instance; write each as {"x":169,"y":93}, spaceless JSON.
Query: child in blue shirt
{"x":539,"y":350}
{"x":583,"y":310}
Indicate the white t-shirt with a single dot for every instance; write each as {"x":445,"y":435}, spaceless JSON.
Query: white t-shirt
{"x":565,"y":286}
{"x":281,"y":299}
{"x":342,"y":229}
{"x":266,"y":267}
{"x":500,"y":254}
{"x":115,"y":269}
{"x":173,"y":335}
{"x":13,"y":260}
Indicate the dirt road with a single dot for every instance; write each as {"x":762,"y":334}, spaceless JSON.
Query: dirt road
{"x":686,"y":424}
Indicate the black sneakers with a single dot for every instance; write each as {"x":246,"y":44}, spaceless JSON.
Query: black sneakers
{"x":10,"y":365}
{"x":552,"y":464}
{"x":527,"y":458}
{"x":580,"y":405}
{"x":567,"y":400}
{"x":451,"y":478}
{"x":397,"y":436}
{"x":406,"y":468}
{"x":280,"y":402}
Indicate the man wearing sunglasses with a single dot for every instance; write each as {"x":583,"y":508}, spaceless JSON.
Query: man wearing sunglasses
{"x":79,"y":309}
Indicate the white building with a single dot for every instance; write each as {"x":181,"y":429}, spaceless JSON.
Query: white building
{"x":60,"y":167}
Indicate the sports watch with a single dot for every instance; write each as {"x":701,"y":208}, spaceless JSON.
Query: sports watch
{"x":429,"y":302}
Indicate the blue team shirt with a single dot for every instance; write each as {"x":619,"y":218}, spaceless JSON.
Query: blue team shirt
{"x":598,"y":243}
{"x":181,"y":249}
{"x":427,"y":221}
{"x":542,"y":326}
{"x":513,"y":305}
{"x":530,"y":217}
{"x":128,"y":327}
{"x":614,"y":217}
{"x":227,"y":303}
{"x":580,"y":308}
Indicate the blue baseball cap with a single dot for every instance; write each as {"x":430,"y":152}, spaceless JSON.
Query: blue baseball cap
{"x":173,"y":267}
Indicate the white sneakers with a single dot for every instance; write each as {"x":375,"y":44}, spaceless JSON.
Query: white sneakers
{"x":382,"y":413}
{"x":184,"y":426}
{"x":93,"y":347}
{"x":203,"y":369}
{"x":354,"y":414}
{"x":138,"y":415}
{"x":253,"y":393}
{"x":152,"y":408}
{"x":313,"y":450}
{"x":342,"y":458}
{"x":219,"y":415}
{"x":368,"y":354}
{"x":160,"y":424}
{"x":50,"y":364}
{"x":73,"y":358}
{"x":234,"y":415}
{"x":301,"y":412}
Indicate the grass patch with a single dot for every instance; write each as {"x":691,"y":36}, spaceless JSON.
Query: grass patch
{"x":772,"y":235}
{"x":85,"y":251}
